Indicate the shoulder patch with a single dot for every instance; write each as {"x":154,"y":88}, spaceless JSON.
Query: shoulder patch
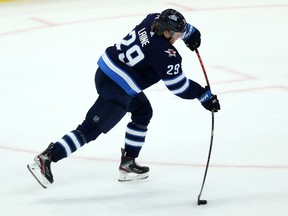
{"x":171,"y":52}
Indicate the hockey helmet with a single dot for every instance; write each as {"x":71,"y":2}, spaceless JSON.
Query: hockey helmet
{"x":172,"y":20}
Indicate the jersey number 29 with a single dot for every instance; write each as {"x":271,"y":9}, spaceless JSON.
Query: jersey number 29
{"x":173,"y":69}
{"x":132,"y":54}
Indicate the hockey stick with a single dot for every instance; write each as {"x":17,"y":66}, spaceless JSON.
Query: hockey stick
{"x":203,"y":202}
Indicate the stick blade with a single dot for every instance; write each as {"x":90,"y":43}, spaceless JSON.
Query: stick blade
{"x":202,"y":202}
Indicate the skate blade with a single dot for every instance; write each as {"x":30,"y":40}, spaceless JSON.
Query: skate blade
{"x":124,"y":176}
{"x":36,"y":172}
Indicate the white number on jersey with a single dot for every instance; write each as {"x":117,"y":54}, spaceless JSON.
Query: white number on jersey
{"x":133,"y":54}
{"x":173,"y":69}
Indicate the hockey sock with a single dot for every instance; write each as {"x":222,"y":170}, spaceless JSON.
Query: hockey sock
{"x":134,"y":139}
{"x":67,"y":145}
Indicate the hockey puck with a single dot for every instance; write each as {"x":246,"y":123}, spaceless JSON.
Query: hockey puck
{"x":202,"y":202}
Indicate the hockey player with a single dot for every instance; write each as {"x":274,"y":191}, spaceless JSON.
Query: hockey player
{"x":143,"y":57}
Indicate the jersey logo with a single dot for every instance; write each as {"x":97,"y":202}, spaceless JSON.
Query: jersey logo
{"x":171,"y":52}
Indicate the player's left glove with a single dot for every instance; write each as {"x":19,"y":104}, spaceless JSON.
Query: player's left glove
{"x":192,"y":37}
{"x":209,"y":101}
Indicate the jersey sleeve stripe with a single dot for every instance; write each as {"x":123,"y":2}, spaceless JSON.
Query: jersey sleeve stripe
{"x":177,"y":85}
{"x":118,"y":75}
{"x":173,"y":81}
{"x":182,"y":89}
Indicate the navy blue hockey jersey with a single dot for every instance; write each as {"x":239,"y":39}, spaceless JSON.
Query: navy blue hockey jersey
{"x":143,"y":58}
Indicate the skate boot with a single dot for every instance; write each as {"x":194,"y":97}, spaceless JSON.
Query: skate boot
{"x":41,"y":168}
{"x":130,"y":170}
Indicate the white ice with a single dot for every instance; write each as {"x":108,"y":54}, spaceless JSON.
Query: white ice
{"x":48,"y":57}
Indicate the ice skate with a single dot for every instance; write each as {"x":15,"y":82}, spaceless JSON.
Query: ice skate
{"x":130,"y":170}
{"x":41,"y":168}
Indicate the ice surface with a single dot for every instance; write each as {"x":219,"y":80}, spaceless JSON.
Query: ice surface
{"x":48,"y":55}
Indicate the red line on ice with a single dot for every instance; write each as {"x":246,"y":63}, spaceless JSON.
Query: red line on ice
{"x":14,"y":149}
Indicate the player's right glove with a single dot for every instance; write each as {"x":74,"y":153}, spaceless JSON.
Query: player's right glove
{"x":209,"y":101}
{"x":192,"y":37}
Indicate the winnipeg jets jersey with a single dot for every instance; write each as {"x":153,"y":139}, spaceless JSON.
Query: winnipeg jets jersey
{"x":143,"y":58}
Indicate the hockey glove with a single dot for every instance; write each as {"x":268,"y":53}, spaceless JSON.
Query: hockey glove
{"x":209,"y":101}
{"x":192,"y":37}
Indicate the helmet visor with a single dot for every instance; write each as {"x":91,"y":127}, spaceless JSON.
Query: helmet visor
{"x":178,"y":34}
